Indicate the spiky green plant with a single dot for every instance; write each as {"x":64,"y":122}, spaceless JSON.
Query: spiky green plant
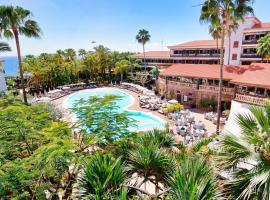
{"x":193,"y":180}
{"x":247,"y":156}
{"x":102,"y":178}
{"x":161,"y":138}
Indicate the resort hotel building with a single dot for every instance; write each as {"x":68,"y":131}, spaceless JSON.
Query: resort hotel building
{"x":189,"y":72}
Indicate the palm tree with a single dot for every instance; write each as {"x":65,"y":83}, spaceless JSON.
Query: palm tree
{"x":161,"y":138}
{"x":193,"y":180}
{"x":223,"y":12}
{"x":15,"y":21}
{"x":102,"y":57}
{"x":82,"y":53}
{"x":215,"y":32}
{"x":263,"y":47}
{"x":143,"y":37}
{"x":150,"y":164}
{"x":70,"y":54}
{"x":122,"y":67}
{"x":103,"y":177}
{"x":246,"y":156}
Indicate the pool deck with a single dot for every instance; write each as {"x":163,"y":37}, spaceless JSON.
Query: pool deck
{"x":69,"y":117}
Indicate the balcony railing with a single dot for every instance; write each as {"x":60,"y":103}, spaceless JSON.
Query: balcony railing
{"x":254,"y":41}
{"x":215,"y":89}
{"x":260,"y":101}
{"x":181,"y":84}
{"x":250,"y":56}
{"x":195,"y":55}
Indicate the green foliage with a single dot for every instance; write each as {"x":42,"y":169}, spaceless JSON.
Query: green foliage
{"x":250,"y":150}
{"x":143,"y":36}
{"x":150,"y":160}
{"x":170,"y":108}
{"x":193,"y":179}
{"x":122,"y":67}
{"x":99,"y":116}
{"x":36,"y":151}
{"x":62,"y":67}
{"x":103,"y":177}
{"x":263,"y":47}
{"x":208,"y":103}
{"x":161,"y":138}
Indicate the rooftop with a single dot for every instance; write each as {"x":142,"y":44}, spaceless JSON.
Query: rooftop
{"x":256,"y":74}
{"x":196,"y":44}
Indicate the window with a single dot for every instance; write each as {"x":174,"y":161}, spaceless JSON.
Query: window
{"x":235,"y":44}
{"x":234,"y":56}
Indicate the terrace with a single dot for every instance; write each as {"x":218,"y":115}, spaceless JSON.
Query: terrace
{"x":204,"y":85}
{"x":195,"y":53}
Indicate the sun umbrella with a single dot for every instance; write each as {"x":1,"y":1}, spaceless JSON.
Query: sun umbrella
{"x":173,"y":101}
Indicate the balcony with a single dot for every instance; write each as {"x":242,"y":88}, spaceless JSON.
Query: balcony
{"x":254,"y":41}
{"x":195,"y":55}
{"x":259,"y":101}
{"x":215,"y":89}
{"x":181,"y":84}
{"x":250,"y":55}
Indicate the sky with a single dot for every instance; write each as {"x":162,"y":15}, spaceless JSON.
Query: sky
{"x":115,"y":23}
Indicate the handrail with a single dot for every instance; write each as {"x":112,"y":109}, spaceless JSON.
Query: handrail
{"x":260,"y":101}
{"x":209,"y":88}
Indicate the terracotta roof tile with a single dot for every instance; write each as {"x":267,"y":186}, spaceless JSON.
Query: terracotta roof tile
{"x":256,"y":74}
{"x":196,"y":44}
{"x":203,"y":71}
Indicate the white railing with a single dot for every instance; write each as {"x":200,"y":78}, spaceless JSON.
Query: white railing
{"x":260,"y":101}
{"x":215,"y":89}
{"x":181,"y":84}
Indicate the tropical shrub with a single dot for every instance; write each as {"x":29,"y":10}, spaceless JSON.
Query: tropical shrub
{"x":208,"y":103}
{"x":246,"y":156}
{"x":170,"y":108}
{"x":103,"y":177}
{"x":193,"y":179}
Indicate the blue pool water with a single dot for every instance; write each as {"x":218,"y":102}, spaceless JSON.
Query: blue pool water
{"x":144,"y":121}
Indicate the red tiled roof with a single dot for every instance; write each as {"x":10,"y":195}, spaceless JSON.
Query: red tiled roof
{"x":202,"y":71}
{"x":196,"y":44}
{"x":261,"y":26}
{"x":153,"y":54}
{"x":256,"y":74}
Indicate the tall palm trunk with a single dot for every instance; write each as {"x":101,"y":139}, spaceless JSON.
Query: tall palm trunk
{"x":121,"y":77}
{"x":16,"y":35}
{"x":144,"y":58}
{"x":220,"y":79}
{"x":229,"y":37}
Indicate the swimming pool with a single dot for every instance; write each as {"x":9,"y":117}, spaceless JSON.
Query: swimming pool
{"x":144,"y":121}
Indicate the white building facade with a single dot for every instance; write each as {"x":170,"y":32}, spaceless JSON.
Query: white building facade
{"x":240,"y":48}
{"x":3,"y":85}
{"x":243,"y":42}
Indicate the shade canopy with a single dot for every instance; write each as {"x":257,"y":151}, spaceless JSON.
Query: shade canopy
{"x":173,"y":101}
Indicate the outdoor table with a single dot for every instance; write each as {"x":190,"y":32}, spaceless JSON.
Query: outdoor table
{"x":190,"y":118}
{"x":198,"y":125}
{"x":182,"y":130}
{"x":200,"y":132}
{"x":180,"y":122}
{"x":189,"y":138}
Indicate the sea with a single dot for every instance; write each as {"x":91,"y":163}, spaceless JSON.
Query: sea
{"x":10,"y":65}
